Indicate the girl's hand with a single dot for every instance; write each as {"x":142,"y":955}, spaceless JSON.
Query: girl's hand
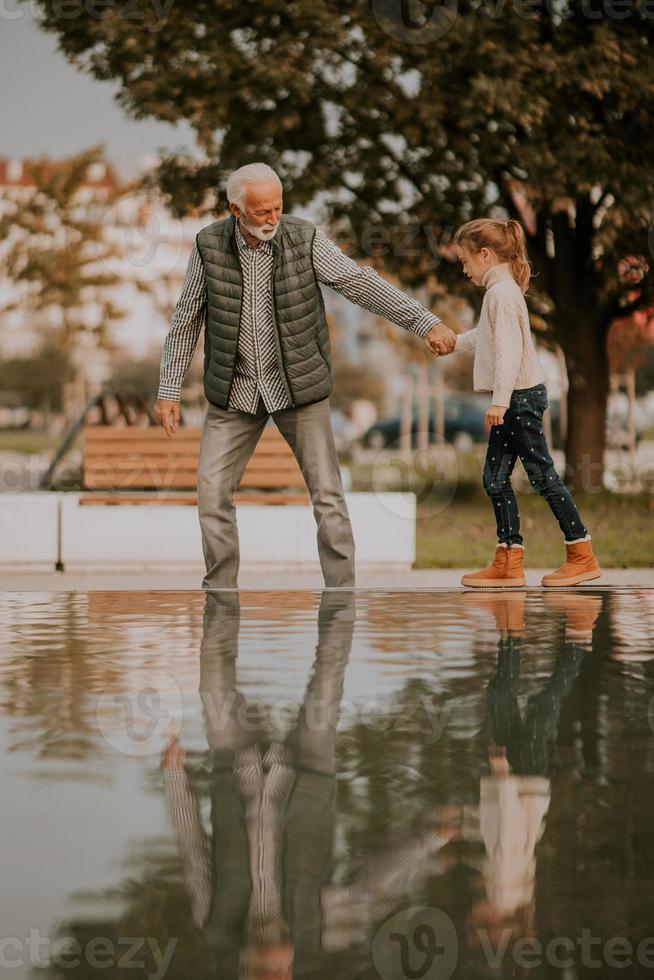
{"x":495,"y":415}
{"x":440,"y":340}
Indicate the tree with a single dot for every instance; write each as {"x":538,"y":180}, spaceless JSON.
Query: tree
{"x":39,"y":378}
{"x":413,"y":123}
{"x":54,"y":250}
{"x":645,"y":373}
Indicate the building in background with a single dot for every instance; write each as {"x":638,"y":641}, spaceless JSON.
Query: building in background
{"x":147,"y":256}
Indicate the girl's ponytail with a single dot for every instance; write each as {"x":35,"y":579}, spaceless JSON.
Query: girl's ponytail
{"x":517,"y":254}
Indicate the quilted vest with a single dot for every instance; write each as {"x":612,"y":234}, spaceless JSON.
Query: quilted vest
{"x":301,"y":334}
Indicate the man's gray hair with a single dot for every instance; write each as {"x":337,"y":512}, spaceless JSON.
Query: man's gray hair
{"x":251,"y":173}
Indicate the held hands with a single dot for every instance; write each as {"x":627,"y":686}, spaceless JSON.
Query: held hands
{"x":495,"y":415}
{"x":440,"y":340}
{"x":167,"y":413}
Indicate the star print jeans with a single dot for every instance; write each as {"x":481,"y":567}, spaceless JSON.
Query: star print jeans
{"x":521,"y":435}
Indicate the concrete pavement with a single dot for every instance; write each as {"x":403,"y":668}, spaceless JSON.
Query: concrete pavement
{"x":274,"y":578}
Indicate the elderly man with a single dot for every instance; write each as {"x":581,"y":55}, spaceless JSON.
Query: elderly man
{"x":253,"y":280}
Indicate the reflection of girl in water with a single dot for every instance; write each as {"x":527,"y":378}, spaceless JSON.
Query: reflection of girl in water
{"x":515,"y":796}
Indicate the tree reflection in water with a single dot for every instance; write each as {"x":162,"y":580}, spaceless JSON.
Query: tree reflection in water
{"x":512,"y":748}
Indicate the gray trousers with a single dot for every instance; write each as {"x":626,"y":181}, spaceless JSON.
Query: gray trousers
{"x":228,"y":440}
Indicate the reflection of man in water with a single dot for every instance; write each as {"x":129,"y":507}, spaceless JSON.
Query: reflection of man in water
{"x":515,"y":797}
{"x":260,"y":887}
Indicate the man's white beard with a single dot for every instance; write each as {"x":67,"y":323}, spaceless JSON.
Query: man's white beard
{"x":263,"y":232}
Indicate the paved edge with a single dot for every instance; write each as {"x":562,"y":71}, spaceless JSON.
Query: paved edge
{"x":414,"y":579}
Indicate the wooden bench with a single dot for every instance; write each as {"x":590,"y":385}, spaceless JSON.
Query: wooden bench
{"x":142,"y":465}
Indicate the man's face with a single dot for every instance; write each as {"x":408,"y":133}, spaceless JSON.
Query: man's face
{"x":261,"y":211}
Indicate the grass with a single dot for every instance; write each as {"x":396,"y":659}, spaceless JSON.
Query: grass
{"x":456,"y":528}
{"x":461,"y":532}
{"x":25,"y":441}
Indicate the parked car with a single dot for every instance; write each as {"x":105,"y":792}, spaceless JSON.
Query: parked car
{"x":464,"y":424}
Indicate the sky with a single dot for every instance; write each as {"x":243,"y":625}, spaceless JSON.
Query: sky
{"x":48,"y":106}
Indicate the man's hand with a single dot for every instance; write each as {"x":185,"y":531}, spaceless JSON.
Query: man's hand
{"x":440,"y":340}
{"x":495,"y":415}
{"x":167,"y":413}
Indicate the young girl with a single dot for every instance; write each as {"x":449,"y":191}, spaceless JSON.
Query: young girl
{"x":494,"y":255}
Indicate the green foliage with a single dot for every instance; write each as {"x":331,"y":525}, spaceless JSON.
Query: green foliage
{"x":53,"y":249}
{"x":541,"y":111}
{"x":140,"y":377}
{"x":38,"y":378}
{"x":335,"y":102}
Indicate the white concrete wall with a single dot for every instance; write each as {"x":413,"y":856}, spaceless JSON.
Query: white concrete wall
{"x":131,"y":536}
{"x":29,"y":530}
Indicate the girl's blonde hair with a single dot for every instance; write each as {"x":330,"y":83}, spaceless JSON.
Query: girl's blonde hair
{"x":506,"y":238}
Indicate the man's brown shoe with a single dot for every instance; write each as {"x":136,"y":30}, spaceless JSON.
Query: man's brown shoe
{"x":504,"y":572}
{"x":580,"y":565}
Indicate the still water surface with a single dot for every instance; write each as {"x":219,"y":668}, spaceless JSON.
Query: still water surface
{"x":327,"y":784}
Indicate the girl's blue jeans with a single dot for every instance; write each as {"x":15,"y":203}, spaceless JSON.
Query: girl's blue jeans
{"x":521,"y":436}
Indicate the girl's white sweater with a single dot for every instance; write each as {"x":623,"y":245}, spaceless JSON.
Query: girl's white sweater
{"x":505,"y":356}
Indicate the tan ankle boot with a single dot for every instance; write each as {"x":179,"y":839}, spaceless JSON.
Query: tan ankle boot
{"x":504,"y":572}
{"x":515,"y":572}
{"x":580,"y":565}
{"x":508,"y":609}
{"x":581,"y":612}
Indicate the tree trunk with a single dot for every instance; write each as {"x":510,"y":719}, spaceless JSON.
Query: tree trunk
{"x":584,"y":344}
